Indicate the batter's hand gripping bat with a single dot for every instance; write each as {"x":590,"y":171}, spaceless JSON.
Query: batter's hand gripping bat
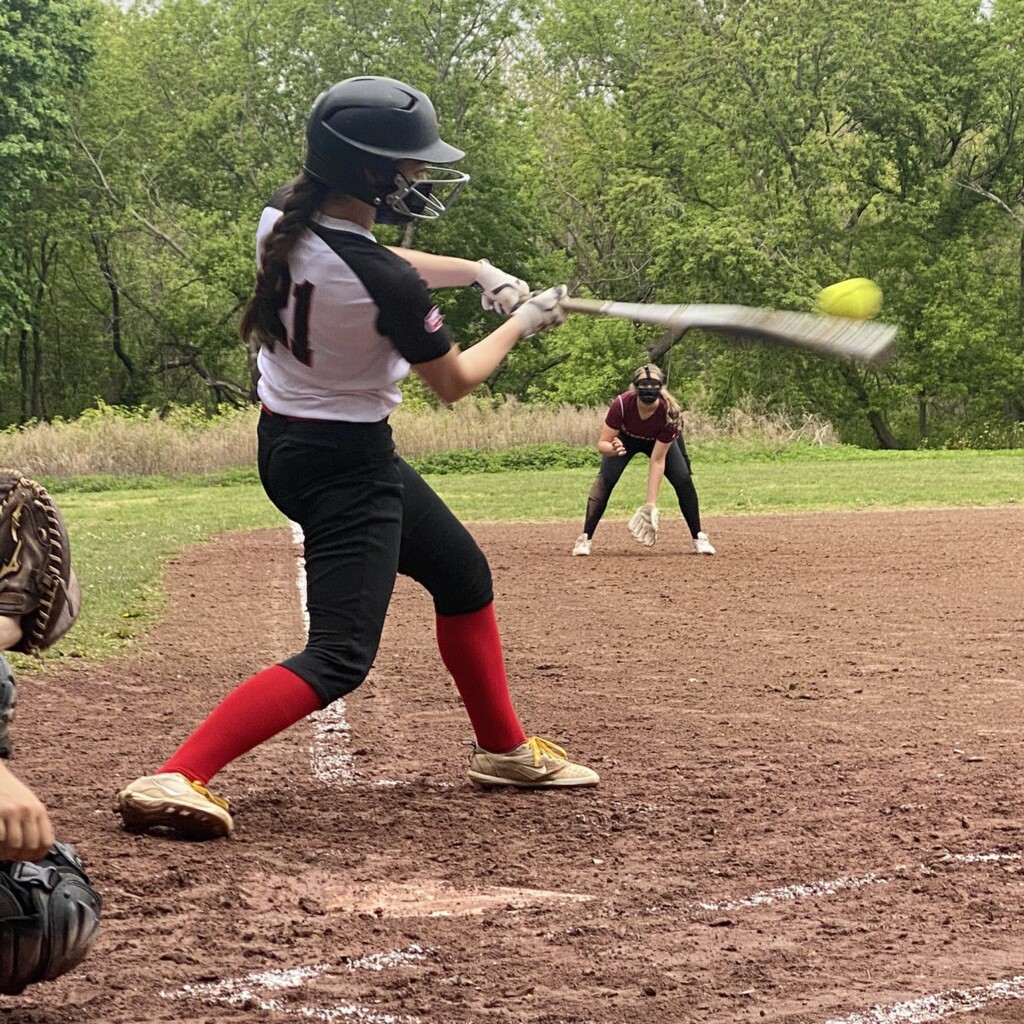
{"x":864,"y":340}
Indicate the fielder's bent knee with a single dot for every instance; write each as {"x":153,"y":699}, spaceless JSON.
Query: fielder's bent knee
{"x":600,"y":489}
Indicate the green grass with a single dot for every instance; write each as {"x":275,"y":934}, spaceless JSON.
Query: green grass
{"x":816,"y":479}
{"x":120,"y":540}
{"x":122,"y":535}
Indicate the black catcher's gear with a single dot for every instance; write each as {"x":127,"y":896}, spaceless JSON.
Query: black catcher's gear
{"x":7,"y":698}
{"x":49,"y":918}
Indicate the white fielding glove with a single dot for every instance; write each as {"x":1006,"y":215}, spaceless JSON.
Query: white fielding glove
{"x":499,"y":292}
{"x":542,"y":310}
{"x":644,"y":525}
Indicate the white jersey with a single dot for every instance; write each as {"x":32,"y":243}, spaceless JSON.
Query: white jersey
{"x":358,"y":316}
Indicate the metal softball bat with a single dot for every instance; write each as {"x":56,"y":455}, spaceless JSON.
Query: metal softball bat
{"x":866,"y":341}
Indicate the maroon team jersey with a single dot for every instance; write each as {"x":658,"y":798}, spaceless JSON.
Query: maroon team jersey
{"x":624,"y":417}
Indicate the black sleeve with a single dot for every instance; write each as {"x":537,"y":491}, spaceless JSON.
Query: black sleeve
{"x":409,"y":316}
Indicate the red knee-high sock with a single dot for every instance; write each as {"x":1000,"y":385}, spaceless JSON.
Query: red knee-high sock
{"x":259,"y":708}
{"x":471,"y":650}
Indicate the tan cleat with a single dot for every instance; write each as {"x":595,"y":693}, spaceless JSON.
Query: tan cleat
{"x":171,"y":800}
{"x":582,"y":546}
{"x":535,"y":764}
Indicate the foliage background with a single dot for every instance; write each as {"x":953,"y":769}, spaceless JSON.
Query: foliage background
{"x":684,"y":150}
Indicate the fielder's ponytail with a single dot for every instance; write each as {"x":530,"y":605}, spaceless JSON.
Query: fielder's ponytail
{"x":673,"y":410}
{"x":261,"y":324}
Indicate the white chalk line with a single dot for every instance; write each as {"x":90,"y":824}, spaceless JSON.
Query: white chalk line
{"x":252,"y":991}
{"x":332,"y":764}
{"x":329,"y":757}
{"x":824,"y":887}
{"x":832,"y":886}
{"x":939,"y":1005}
{"x":981,"y":858}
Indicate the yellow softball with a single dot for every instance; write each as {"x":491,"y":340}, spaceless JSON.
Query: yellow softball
{"x":857,"y":298}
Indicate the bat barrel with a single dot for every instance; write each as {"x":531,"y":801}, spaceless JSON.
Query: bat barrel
{"x":864,"y":340}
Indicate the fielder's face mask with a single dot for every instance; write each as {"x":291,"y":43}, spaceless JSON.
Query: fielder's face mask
{"x":423,"y":197}
{"x":648,"y":387}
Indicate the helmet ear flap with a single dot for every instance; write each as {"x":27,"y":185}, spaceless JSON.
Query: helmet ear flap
{"x":378,"y":177}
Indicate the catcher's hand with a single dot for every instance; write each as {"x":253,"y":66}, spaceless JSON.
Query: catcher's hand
{"x":644,"y":525}
{"x":37,"y":583}
{"x":25,"y":829}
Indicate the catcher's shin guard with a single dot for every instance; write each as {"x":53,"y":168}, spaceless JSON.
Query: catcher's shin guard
{"x":49,"y":918}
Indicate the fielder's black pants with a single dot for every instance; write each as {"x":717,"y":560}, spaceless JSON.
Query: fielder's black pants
{"x":677,"y":473}
{"x":365,"y":515}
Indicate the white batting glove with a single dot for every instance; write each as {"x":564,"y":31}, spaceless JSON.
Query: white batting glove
{"x":499,"y":292}
{"x":644,"y":525}
{"x":542,"y":311}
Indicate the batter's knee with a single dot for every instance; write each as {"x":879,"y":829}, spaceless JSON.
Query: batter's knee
{"x":468,"y":588}
{"x":332,"y":668}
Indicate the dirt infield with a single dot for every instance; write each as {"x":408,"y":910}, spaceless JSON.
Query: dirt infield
{"x":811,"y":804}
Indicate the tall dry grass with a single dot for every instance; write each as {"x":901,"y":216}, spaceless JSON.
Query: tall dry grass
{"x":116,"y":442}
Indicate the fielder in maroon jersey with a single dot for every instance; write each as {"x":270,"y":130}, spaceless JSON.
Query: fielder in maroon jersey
{"x":645,"y":420}
{"x":339,"y":320}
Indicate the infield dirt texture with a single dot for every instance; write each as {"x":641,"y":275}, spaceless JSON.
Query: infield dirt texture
{"x":812,"y":756}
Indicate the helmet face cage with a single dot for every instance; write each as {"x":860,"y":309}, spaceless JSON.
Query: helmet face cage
{"x":424,"y":198}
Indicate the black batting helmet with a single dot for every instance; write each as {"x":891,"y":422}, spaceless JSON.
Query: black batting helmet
{"x":371,"y":122}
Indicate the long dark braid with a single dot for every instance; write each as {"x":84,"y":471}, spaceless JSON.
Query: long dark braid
{"x":260,"y":324}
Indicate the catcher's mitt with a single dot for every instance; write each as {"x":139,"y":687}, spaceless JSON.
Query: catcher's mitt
{"x":644,"y":525}
{"x":49,"y":917}
{"x":37,"y":582}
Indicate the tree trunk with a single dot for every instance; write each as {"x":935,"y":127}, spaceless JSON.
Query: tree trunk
{"x":23,"y":375}
{"x":38,"y":406}
{"x":106,"y":268}
{"x":922,"y":417}
{"x":47,"y":254}
{"x":883,"y":433}
{"x":1020,"y":291}
{"x":886,"y":438}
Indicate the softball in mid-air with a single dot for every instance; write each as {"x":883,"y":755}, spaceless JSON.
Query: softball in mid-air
{"x":857,"y":298}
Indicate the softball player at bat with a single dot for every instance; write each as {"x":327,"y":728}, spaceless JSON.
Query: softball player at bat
{"x":645,"y":419}
{"x":339,"y":321}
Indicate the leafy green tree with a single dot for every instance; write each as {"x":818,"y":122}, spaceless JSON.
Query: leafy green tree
{"x":197,"y":113}
{"x":45,"y":48}
{"x":754,"y":153}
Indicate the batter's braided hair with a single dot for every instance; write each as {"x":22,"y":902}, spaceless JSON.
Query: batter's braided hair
{"x":673,"y":410}
{"x":260,"y":324}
